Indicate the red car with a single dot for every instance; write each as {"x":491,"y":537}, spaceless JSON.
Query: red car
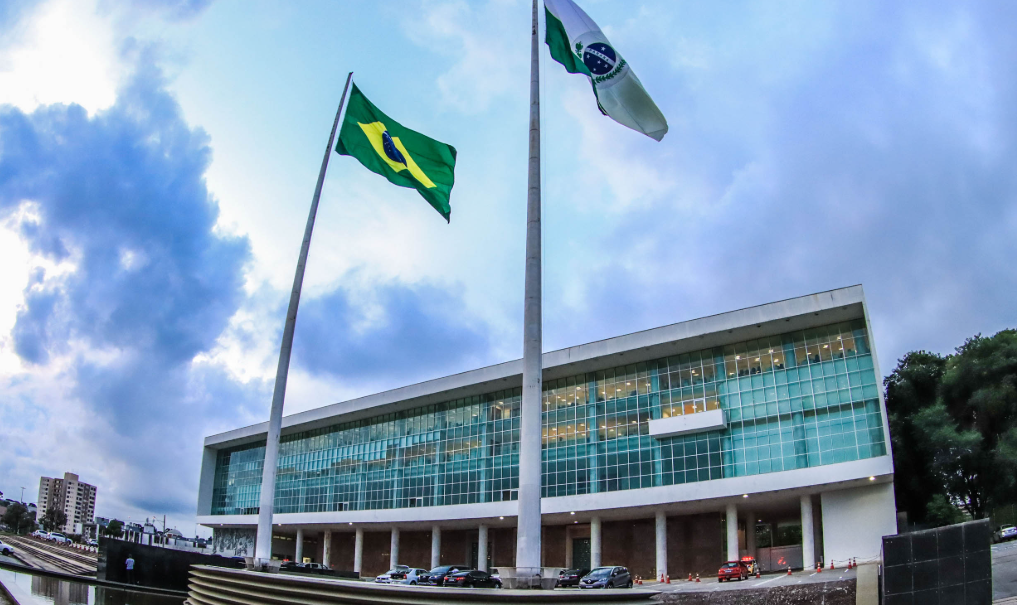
{"x":732,"y":570}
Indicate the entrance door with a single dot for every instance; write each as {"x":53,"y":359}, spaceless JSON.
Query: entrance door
{"x":581,"y":553}
{"x":475,"y":554}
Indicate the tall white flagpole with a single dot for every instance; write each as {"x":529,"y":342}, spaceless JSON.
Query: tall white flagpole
{"x":528,"y":531}
{"x":263,"y":545}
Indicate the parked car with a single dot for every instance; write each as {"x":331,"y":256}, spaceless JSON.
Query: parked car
{"x":291,"y":566}
{"x":751,"y":563}
{"x":413,"y":576}
{"x":436,"y":576}
{"x":6,"y":549}
{"x":40,"y":534}
{"x":607,"y":577}
{"x":571,"y":577}
{"x":92,"y":543}
{"x":473,"y":578}
{"x":732,"y":570}
{"x":59,"y":538}
{"x":1004,"y":532}
{"x":396,"y":574}
{"x":315,"y":566}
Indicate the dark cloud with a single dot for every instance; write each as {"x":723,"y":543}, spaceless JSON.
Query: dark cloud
{"x":422,"y":332}
{"x":122,"y":196}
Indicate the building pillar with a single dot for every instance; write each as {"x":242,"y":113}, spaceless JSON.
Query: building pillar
{"x":299,"y":554}
{"x":808,"y":530}
{"x":326,"y":549}
{"x":568,"y":546}
{"x":750,"y":533}
{"x":358,"y":550}
{"x":661,"y":544}
{"x":482,"y":548}
{"x":595,"y":542}
{"x":732,"y":532}
{"x":435,"y":546}
{"x":393,"y":555}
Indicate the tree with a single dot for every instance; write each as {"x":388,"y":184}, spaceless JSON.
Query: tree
{"x":18,"y":518}
{"x":53,"y":519}
{"x":910,"y":389}
{"x":115,"y":529}
{"x":953,"y":425}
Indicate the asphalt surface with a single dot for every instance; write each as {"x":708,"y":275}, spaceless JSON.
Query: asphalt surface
{"x":767,"y":581}
{"x":1004,"y":570}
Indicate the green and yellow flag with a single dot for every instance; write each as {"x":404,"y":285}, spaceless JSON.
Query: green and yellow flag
{"x":403,"y":156}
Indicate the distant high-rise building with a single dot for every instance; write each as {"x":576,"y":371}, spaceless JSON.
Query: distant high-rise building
{"x":74,"y":497}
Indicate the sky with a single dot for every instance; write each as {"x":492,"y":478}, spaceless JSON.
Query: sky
{"x":158,"y":157}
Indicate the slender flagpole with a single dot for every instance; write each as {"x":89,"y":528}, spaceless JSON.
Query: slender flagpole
{"x":528,"y":532}
{"x":263,"y":546}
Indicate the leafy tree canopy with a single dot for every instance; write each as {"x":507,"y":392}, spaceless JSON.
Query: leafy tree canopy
{"x":953,"y":424}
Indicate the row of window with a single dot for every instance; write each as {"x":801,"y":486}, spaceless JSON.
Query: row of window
{"x":786,"y":410}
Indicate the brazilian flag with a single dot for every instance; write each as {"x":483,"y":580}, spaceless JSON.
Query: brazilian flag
{"x":403,"y":156}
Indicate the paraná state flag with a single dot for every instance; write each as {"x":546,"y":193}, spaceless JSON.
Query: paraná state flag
{"x":577,"y":43}
{"x":403,"y":156}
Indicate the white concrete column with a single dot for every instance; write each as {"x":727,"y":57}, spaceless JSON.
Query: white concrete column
{"x":661,"y":544}
{"x":732,"y":532}
{"x":750,"y":533}
{"x":358,"y":550}
{"x":326,"y":549}
{"x":393,"y":556}
{"x":808,"y":543}
{"x":435,"y":546}
{"x":595,"y":542}
{"x":299,"y":556}
{"x":482,"y":548}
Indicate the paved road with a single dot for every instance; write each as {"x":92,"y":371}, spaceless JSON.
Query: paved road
{"x":768,"y":581}
{"x":1004,"y":570}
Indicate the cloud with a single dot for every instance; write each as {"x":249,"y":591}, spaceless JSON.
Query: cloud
{"x":487,"y":42}
{"x":880,"y":153}
{"x":121,"y":197}
{"x":393,"y":334}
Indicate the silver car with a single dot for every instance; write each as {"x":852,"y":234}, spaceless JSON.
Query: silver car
{"x":6,"y":549}
{"x":394,"y":575}
{"x":412,"y":576}
{"x":1004,"y":532}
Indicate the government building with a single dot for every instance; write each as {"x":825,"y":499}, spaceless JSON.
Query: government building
{"x":760,"y":432}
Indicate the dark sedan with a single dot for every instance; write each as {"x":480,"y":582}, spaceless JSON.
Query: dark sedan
{"x":607,"y":577}
{"x":473,"y":578}
{"x":436,"y":577}
{"x":571,"y":577}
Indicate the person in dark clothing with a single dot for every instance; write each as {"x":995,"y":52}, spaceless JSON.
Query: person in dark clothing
{"x":130,"y":568}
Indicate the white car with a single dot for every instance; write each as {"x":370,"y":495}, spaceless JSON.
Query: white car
{"x":41,"y":534}
{"x":1004,"y":532}
{"x":59,"y":538}
{"x":396,"y":574}
{"x":6,"y":549}
{"x":412,"y":575}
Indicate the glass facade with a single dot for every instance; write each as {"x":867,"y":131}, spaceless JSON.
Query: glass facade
{"x":792,"y":401}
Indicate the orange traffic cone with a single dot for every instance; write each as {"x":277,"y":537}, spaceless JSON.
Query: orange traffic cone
{"x":757,"y":573}
{"x":690,"y":577}
{"x":832,"y":564}
{"x":697,"y":577}
{"x":669,"y":579}
{"x":789,"y":570}
{"x":819,"y":568}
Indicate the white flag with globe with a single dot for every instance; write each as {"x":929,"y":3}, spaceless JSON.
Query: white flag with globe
{"x":577,"y":43}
